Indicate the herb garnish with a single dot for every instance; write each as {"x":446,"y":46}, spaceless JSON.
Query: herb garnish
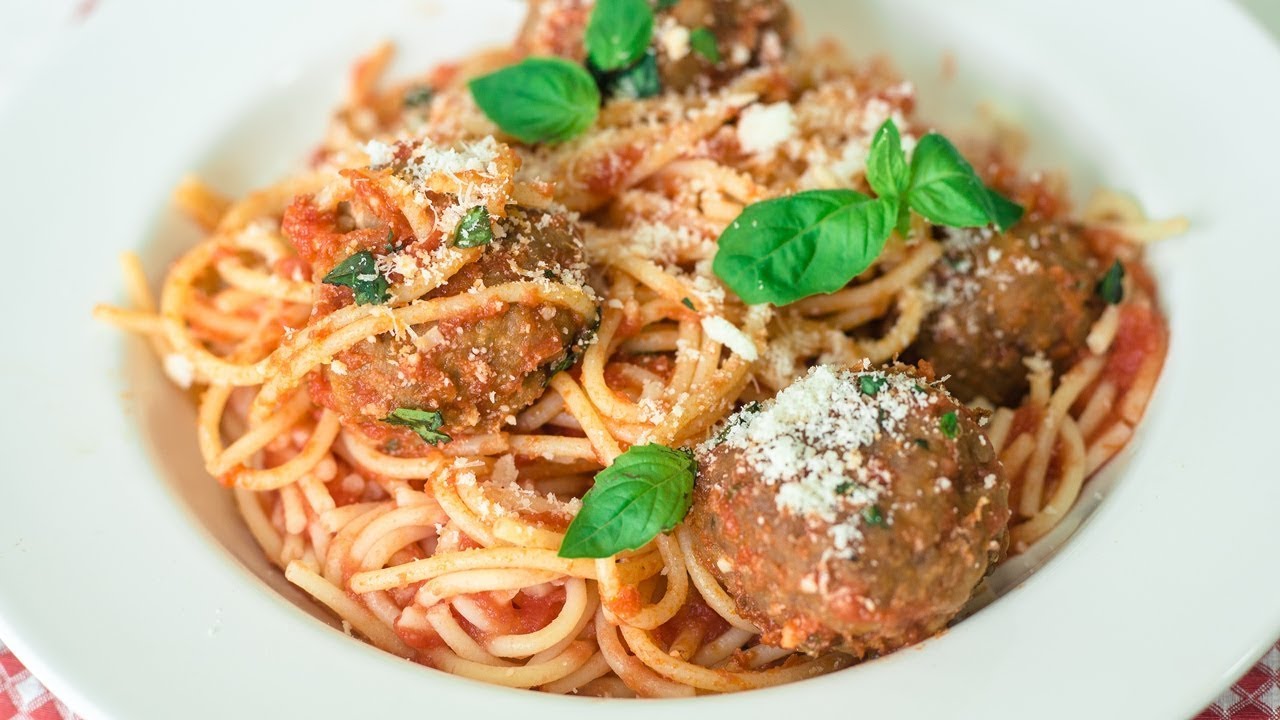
{"x":647,"y":490}
{"x":703,"y":42}
{"x":687,"y":303}
{"x":638,"y":81}
{"x":360,"y":273}
{"x":540,"y":99}
{"x":788,"y":248}
{"x":871,"y":385}
{"x":872,"y":515}
{"x":1111,"y":287}
{"x":426,"y":423}
{"x":618,"y":33}
{"x":474,"y":229}
{"x":949,"y":424}
{"x":419,"y":96}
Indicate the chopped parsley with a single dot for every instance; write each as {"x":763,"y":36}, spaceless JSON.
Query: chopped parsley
{"x":949,"y":424}
{"x":871,"y":384}
{"x":426,"y":423}
{"x":872,"y":515}
{"x":1111,"y":287}
{"x":360,"y":273}
{"x":474,"y":229}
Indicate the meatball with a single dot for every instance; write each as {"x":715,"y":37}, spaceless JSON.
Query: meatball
{"x":1002,"y":298}
{"x":476,"y":371}
{"x":748,"y":33}
{"x":856,"y":511}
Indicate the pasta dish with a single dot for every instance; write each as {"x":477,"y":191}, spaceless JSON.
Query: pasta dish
{"x":657,"y":354}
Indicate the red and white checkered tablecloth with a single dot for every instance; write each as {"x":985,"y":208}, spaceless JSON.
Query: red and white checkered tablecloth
{"x":1256,"y":696}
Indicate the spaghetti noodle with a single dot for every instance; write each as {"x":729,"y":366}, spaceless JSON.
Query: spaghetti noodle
{"x":447,"y":554}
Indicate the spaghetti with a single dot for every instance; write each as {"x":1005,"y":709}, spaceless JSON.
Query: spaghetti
{"x":447,"y":554}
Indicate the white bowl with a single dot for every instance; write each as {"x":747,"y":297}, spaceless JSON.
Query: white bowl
{"x":128,"y":584}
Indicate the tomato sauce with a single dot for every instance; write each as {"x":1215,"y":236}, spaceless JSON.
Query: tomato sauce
{"x":1140,"y":336}
{"x":694,"y":616}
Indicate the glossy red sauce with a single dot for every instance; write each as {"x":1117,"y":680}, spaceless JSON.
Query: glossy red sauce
{"x":374,"y":197}
{"x":607,"y":174}
{"x":696,"y":616}
{"x":1140,"y":336}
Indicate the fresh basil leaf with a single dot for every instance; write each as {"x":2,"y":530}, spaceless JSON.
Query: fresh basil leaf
{"x":949,"y":424}
{"x":539,"y":100}
{"x":1006,"y":213}
{"x":638,"y":81}
{"x":1111,"y":287}
{"x":360,"y":273}
{"x":647,"y":490}
{"x":944,"y":187}
{"x":946,"y":190}
{"x":781,"y":250}
{"x":618,"y":33}
{"x":887,"y":170}
{"x":704,"y":42}
{"x":474,"y":229}
{"x":426,"y":423}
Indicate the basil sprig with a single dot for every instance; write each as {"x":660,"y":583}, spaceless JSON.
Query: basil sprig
{"x":781,"y":250}
{"x":647,"y":490}
{"x":618,"y":33}
{"x":789,"y":248}
{"x":426,"y":423}
{"x":945,"y":190}
{"x":540,"y":99}
{"x":360,"y":273}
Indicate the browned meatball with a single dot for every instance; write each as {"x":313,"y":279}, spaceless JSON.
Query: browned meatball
{"x":1002,"y":298}
{"x":856,"y":511}
{"x":477,"y":371}
{"x":748,"y":33}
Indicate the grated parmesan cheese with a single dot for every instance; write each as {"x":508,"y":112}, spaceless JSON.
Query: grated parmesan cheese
{"x":480,"y":156}
{"x":808,"y":443}
{"x":728,"y":334}
{"x":379,"y":153}
{"x":762,"y":128}
{"x":673,"y":38}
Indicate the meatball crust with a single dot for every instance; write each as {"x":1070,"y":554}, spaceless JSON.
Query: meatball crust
{"x":857,"y":511}
{"x":748,"y":33}
{"x":476,"y":371}
{"x":1000,"y":298}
